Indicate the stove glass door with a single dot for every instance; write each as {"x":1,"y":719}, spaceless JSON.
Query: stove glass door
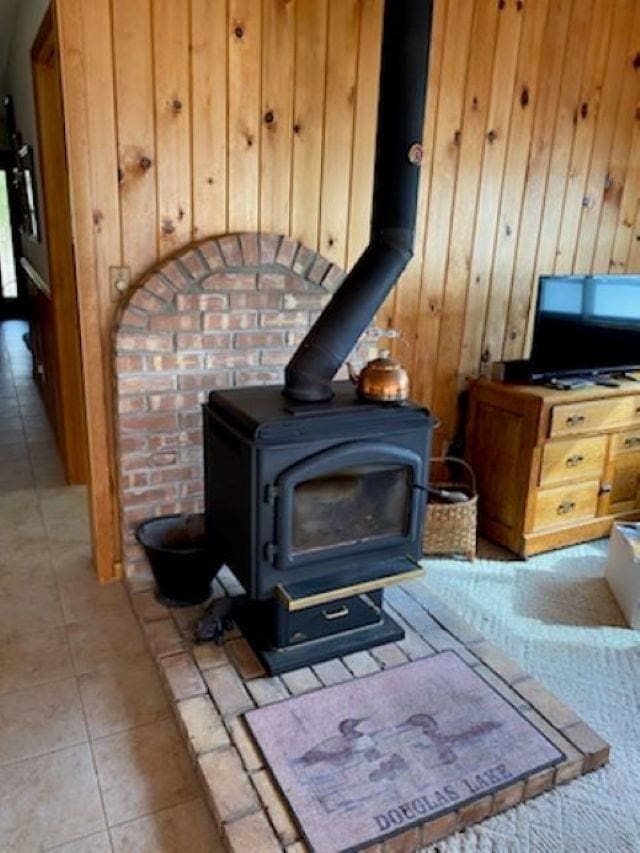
{"x":355,"y":497}
{"x":350,"y":506}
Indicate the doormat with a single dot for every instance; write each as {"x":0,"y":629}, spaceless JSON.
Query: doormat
{"x":366,"y":759}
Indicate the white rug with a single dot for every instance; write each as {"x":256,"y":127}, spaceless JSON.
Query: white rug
{"x":555,"y":616}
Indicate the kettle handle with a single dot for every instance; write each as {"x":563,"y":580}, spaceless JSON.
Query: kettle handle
{"x":354,"y":376}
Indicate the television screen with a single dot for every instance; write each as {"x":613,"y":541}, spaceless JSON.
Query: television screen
{"x":586,"y":324}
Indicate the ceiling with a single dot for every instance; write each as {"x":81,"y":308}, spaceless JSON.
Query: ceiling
{"x":7,"y":12}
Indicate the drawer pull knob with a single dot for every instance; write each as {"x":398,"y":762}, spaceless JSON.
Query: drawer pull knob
{"x":336,"y":614}
{"x":606,"y":488}
{"x":574,"y":460}
{"x":572,"y":420}
{"x":632,"y":441}
{"x":565,"y":507}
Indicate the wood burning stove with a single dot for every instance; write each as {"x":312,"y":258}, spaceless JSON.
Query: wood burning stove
{"x":315,"y":508}
{"x":315,"y":499}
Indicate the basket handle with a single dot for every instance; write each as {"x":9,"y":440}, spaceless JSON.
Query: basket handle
{"x":462,"y":463}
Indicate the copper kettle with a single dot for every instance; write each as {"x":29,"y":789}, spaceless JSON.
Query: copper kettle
{"x":382,"y":380}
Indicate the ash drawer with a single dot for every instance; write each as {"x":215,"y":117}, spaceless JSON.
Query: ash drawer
{"x":334,"y":617}
{"x":317,"y":607}
{"x":573,"y":459}
{"x":594,"y":416}
{"x":565,"y":504}
{"x":626,"y":442}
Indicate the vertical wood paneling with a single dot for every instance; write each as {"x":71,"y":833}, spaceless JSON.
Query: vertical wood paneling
{"x":629,"y":208}
{"x":133,"y":65}
{"x":309,"y":99}
{"x":171,"y":38}
{"x":612,"y":96}
{"x":633,"y":258}
{"x":554,"y":45}
{"x":565,"y":124}
{"x":278,"y":44}
{"x":622,"y":188}
{"x":525,"y":93}
{"x":494,"y":155}
{"x":477,"y":94}
{"x":585,"y":119}
{"x":441,"y":192}
{"x":209,"y":29}
{"x":245,"y":38}
{"x":235,"y":115}
{"x":342,"y":35}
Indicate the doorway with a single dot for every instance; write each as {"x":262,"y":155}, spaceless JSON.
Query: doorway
{"x":12,"y":302}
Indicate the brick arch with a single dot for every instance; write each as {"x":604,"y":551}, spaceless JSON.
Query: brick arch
{"x":223,"y":313}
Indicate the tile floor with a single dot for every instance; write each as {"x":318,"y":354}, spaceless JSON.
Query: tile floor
{"x":90,"y":757}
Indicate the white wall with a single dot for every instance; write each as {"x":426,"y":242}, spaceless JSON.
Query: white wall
{"x":18,"y":83}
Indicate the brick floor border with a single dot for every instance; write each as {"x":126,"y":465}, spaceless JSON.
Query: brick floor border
{"x":210,"y":688}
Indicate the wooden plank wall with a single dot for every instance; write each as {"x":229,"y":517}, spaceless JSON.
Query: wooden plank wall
{"x":187,"y":118}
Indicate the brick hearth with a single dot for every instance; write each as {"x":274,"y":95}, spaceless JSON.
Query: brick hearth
{"x":212,"y":686}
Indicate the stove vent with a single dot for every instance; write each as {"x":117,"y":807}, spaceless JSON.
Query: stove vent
{"x":403,"y":80}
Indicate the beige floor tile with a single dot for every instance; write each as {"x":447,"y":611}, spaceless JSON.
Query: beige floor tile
{"x":40,"y":435}
{"x":10,"y":420}
{"x":27,"y":660}
{"x":143,"y":770}
{"x":84,"y":599}
{"x":65,"y":512}
{"x":11,"y":438}
{"x":13,"y":466}
{"x":29,"y":608}
{"x":71,"y":531}
{"x":72,"y":560}
{"x":17,"y":482}
{"x":41,"y":448}
{"x":97,"y":843}
{"x":106,"y":644}
{"x":40,"y":720}
{"x":21,"y":517}
{"x":24,"y":564}
{"x":48,"y":800}
{"x":48,"y":473}
{"x":18,"y":503}
{"x":187,"y":827}
{"x":130,"y":696}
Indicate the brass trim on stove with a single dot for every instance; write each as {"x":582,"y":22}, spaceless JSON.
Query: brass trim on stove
{"x":344,"y":591}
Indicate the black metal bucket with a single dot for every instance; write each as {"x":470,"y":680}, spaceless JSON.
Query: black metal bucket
{"x":182,"y":565}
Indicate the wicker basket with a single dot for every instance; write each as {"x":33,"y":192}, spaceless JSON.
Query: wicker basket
{"x":450,"y":528}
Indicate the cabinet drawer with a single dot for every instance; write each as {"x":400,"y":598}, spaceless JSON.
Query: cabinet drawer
{"x":565,"y":504}
{"x":572,"y":459}
{"x":594,"y":416}
{"x":626,"y":442}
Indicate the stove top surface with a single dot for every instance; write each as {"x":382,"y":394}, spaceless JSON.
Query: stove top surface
{"x":261,"y":410}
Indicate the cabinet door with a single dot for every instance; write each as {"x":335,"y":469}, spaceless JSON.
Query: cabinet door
{"x":625,"y":483}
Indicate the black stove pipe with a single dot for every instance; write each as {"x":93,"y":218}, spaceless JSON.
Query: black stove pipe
{"x":403,"y":80}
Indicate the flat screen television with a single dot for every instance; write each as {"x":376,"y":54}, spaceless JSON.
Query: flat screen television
{"x":586,"y":325}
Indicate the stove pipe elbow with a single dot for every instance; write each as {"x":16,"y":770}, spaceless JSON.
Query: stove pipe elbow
{"x":401,"y":105}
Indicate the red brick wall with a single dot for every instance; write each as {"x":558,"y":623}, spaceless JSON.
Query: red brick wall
{"x":227,"y":312}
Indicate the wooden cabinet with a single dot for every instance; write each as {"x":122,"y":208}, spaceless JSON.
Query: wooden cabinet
{"x":553,"y":467}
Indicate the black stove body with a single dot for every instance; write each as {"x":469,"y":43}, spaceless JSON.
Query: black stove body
{"x":315,"y":508}
{"x":313,"y":499}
